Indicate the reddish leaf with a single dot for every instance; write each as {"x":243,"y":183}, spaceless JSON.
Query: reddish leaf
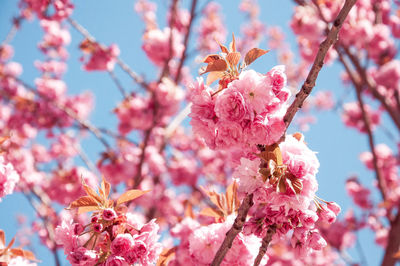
{"x":91,"y":193}
{"x":106,"y":187}
{"x":88,"y":209}
{"x":211,"y":58}
{"x":212,"y":213}
{"x":2,"y":239}
{"x":217,"y":65}
{"x":281,"y":187}
{"x":233,"y":58}
{"x":231,"y":197}
{"x":298,"y":136}
{"x":11,"y":243}
{"x":272,"y":152}
{"x":19,"y":252}
{"x":84,"y":201}
{"x":213,"y":76}
{"x":253,"y":54}
{"x":189,"y":211}
{"x":223,"y":47}
{"x":165,"y":256}
{"x":397,"y":255}
{"x":130,"y":195}
{"x":232,"y":45}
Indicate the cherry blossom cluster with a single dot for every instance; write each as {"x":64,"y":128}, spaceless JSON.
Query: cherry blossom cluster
{"x":8,"y":178}
{"x":247,"y":112}
{"x":288,"y":201}
{"x":199,"y":243}
{"x":113,"y":236}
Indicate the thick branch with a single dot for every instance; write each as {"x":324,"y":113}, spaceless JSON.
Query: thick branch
{"x":393,"y":243}
{"x":264,"y":244}
{"x":318,"y":62}
{"x":294,"y":107}
{"x":235,"y":229}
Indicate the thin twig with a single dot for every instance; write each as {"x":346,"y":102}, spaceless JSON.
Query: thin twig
{"x":186,"y":41}
{"x":83,"y":123}
{"x":82,"y":30}
{"x":372,"y":86}
{"x":13,"y":30}
{"x":367,"y":124}
{"x":294,"y":107}
{"x":118,"y":84}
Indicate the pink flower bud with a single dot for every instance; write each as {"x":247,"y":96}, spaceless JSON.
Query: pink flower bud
{"x":333,"y":206}
{"x":109,"y":214}
{"x":315,"y":240}
{"x":98,"y":227}
{"x":326,"y":215}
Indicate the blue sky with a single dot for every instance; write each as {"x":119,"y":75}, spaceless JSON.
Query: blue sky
{"x":116,"y":22}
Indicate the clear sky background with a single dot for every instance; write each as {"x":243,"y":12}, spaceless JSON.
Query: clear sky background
{"x":116,"y":22}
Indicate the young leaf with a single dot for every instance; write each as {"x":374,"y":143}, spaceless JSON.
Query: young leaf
{"x":253,"y":54}
{"x":223,"y":47}
{"x":231,"y":197}
{"x":212,"y":213}
{"x":233,"y":58}
{"x":88,"y":209}
{"x":106,"y":187}
{"x":19,"y":252}
{"x":211,"y":58}
{"x":217,"y":65}
{"x":2,"y":239}
{"x":130,"y":195}
{"x":272,"y":152}
{"x":165,"y":256}
{"x":213,"y":76}
{"x":91,"y":193}
{"x":84,"y":201}
{"x":232,"y":45}
{"x":397,"y":255}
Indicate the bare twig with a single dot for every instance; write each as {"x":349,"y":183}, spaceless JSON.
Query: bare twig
{"x":294,"y":107}
{"x":372,"y":86}
{"x":14,"y":28}
{"x":84,"y":124}
{"x":118,"y":84}
{"x":264,"y":244}
{"x":367,"y":124}
{"x":186,"y":41}
{"x":137,"y":78}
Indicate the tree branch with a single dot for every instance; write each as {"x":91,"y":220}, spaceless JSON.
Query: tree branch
{"x":393,"y":242}
{"x":264,"y":244}
{"x":365,"y":118}
{"x":186,"y":41}
{"x":309,"y":84}
{"x":234,"y":231}
{"x":294,"y":107}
